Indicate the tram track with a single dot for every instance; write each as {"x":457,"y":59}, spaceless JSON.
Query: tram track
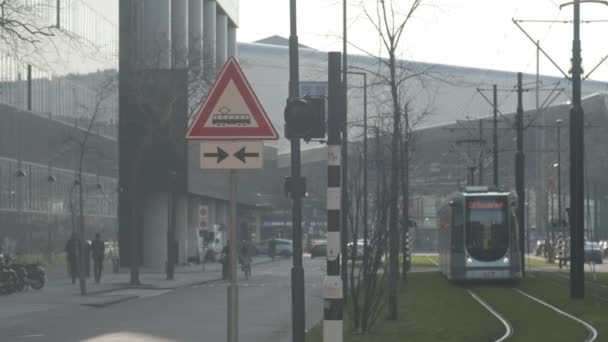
{"x":590,"y":329}
{"x":504,"y":314}
{"x":505,"y":323}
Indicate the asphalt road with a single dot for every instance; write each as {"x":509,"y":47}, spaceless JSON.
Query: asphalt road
{"x":195,"y":313}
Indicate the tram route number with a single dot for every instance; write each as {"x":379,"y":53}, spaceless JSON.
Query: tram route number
{"x":488,"y":275}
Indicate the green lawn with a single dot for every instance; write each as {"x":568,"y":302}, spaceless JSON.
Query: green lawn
{"x":539,"y":263}
{"x":424,"y":260}
{"x":431,"y":309}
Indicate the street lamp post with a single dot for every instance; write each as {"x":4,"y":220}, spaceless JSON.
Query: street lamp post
{"x":559,"y":178}
{"x":365,"y":206}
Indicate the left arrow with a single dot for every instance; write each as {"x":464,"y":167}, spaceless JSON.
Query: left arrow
{"x":220,"y":155}
{"x":242,"y":154}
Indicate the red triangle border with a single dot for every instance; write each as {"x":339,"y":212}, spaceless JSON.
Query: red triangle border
{"x":265,"y":129}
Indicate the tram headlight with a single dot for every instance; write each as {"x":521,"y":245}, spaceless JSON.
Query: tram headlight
{"x":505,"y":260}
{"x":469,"y":260}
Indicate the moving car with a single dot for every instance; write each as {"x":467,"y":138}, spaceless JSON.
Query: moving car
{"x":318,"y":248}
{"x":593,"y":252}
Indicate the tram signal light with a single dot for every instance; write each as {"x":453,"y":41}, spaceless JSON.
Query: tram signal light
{"x":305,"y":118}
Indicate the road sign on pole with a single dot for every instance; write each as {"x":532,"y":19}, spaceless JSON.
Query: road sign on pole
{"x":232,"y":111}
{"x":232,"y":154}
{"x":232,"y":119}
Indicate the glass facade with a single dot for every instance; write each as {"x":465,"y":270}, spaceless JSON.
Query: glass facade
{"x":30,"y":187}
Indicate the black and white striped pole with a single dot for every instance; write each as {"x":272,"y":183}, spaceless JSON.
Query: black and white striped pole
{"x":332,"y":286}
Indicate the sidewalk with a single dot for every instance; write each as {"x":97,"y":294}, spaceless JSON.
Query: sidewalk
{"x":59,"y":292}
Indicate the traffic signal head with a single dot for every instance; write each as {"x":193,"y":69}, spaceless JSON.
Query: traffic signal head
{"x":305,"y":118}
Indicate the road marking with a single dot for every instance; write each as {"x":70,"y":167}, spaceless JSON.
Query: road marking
{"x":589,"y":327}
{"x":509,"y":330}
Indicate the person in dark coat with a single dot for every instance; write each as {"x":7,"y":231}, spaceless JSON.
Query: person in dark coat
{"x":272,"y":247}
{"x":71,"y":250}
{"x":98,"y":253}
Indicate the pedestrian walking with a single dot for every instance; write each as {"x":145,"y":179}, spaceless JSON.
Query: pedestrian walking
{"x":71,"y":250}
{"x":225,"y":258}
{"x":98,"y":248}
{"x":272,"y":246}
{"x":561,"y":250}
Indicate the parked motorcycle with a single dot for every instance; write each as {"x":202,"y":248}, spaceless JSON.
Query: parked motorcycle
{"x":8,"y":280}
{"x":32,"y":275}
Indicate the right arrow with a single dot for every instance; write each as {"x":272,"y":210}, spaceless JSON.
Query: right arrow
{"x":220,"y":155}
{"x":242,"y":155}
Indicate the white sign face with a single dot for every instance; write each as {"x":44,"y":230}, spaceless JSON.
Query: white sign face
{"x":232,"y":154}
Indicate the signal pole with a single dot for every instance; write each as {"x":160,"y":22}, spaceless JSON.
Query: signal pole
{"x":495,"y":135}
{"x":519,"y":173}
{"x":333,"y":292}
{"x":480,"y":174}
{"x":344,"y":166}
{"x":577,"y":177}
{"x":296,"y":191}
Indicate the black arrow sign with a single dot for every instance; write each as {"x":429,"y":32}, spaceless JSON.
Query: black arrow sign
{"x":220,"y":155}
{"x":242,"y":155}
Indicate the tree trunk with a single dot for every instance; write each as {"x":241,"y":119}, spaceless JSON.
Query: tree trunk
{"x":405,"y":180}
{"x":83,"y":256}
{"x":393,"y":219}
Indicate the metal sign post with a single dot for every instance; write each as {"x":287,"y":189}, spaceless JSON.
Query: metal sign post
{"x":233,"y":294}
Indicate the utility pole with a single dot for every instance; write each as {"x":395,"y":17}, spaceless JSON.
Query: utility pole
{"x":332,"y":285}
{"x":407,"y":261}
{"x":480,"y":173}
{"x":540,"y":186}
{"x":344,"y":211}
{"x":297,"y":192}
{"x":495,"y":135}
{"x":577,"y":176}
{"x":519,"y":172}
{"x":559,"y":179}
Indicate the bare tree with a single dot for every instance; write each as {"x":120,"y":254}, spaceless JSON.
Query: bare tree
{"x":368,"y":277}
{"x":389,"y":20}
{"x":82,"y":139}
{"x":22,"y":22}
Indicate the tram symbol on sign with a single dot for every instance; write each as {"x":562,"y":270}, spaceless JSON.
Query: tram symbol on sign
{"x":225,"y":118}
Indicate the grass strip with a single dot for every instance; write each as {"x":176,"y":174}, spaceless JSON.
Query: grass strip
{"x":430,"y":309}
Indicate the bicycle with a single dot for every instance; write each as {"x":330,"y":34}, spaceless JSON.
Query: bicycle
{"x":246,"y":267}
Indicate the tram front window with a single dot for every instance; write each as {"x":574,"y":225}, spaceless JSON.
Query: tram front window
{"x":487,"y":234}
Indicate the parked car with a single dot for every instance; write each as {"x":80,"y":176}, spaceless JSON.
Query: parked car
{"x":359,"y":250}
{"x":540,"y":248}
{"x":284,"y":247}
{"x":593,"y":252}
{"x":318,"y":248}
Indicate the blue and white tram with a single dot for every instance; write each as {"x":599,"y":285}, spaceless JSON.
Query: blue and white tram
{"x":478,"y":236}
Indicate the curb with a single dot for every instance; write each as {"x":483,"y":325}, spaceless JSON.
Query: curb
{"x":111,"y":302}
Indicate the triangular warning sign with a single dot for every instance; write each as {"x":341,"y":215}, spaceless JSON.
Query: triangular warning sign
{"x":231,"y":111}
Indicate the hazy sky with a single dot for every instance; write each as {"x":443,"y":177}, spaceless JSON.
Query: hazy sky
{"x":476,"y":33}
